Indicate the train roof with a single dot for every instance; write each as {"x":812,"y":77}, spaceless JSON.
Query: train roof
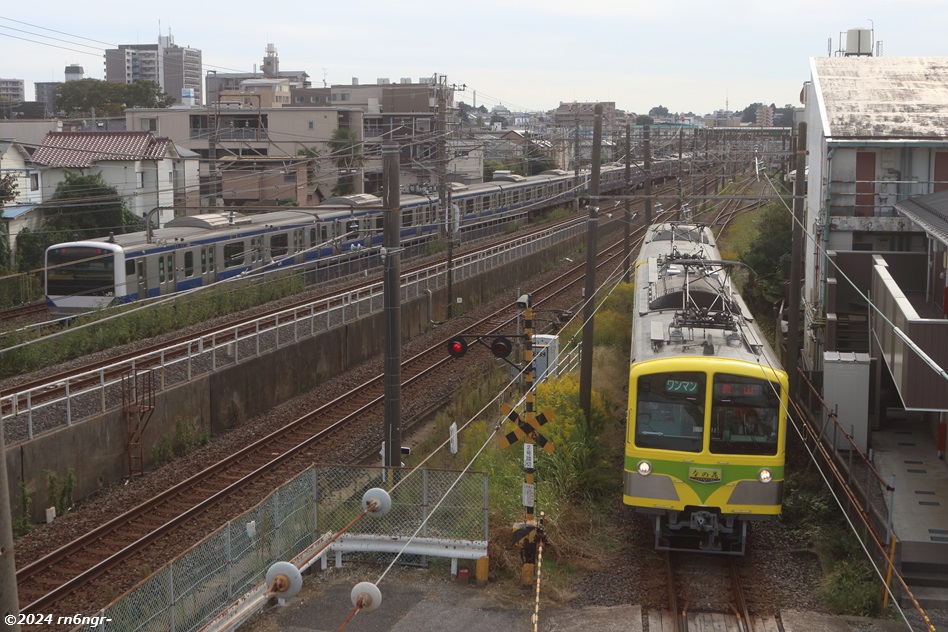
{"x":686,"y":304}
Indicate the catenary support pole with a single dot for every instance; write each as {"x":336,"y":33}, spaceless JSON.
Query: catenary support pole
{"x":589,"y":295}
{"x":392,"y":304}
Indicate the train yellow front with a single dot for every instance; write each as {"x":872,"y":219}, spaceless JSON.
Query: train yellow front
{"x":706,"y":432}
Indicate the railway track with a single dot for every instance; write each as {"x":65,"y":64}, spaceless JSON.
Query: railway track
{"x":65,"y":576}
{"x":705,"y":595}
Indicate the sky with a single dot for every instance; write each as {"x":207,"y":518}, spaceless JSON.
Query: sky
{"x":686,"y":55}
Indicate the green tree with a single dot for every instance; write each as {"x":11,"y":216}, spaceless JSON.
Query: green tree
{"x":750,"y":113}
{"x":769,"y":257}
{"x":7,"y":188}
{"x":658,"y":110}
{"x":347,"y":157}
{"x":644,"y":119}
{"x":109,"y":98}
{"x":83,"y":207}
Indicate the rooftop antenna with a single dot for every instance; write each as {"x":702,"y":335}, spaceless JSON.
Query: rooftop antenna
{"x":324,"y":77}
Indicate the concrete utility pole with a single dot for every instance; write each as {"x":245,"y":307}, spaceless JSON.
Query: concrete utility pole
{"x":576,"y":161}
{"x":391,"y":264}
{"x":9,"y":602}
{"x":647,"y":148}
{"x":680,"y":172}
{"x":442,"y":144}
{"x":796,"y":265}
{"x":589,"y":294}
{"x":627,"y":236}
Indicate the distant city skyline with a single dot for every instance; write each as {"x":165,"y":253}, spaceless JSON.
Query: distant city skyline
{"x":530,"y":55}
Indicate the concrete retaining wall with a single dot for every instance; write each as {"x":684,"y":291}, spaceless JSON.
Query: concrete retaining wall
{"x":95,"y":448}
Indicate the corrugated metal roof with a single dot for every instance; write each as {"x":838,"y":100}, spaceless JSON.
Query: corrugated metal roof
{"x":930,"y":212}
{"x":83,"y":149}
{"x":883,"y":97}
{"x":12,"y":212}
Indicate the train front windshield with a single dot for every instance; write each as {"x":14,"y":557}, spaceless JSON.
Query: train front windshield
{"x":745,"y":415}
{"x":669,"y":413}
{"x":80,"y":270}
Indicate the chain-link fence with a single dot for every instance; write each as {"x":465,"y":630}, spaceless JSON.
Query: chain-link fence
{"x":447,"y":510}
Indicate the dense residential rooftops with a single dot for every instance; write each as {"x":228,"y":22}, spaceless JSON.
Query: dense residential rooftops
{"x":83,"y":149}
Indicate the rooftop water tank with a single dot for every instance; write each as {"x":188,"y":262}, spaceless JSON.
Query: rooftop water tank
{"x":858,"y":42}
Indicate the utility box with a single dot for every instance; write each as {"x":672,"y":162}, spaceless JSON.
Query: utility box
{"x":544,"y":356}
{"x":846,"y":389}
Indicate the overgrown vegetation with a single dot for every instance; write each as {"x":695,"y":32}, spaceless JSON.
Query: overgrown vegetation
{"x":60,"y":494}
{"x":160,"y":319}
{"x":190,"y":433}
{"x":24,"y":523}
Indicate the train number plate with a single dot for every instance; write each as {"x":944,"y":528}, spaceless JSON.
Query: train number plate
{"x":704,"y":475}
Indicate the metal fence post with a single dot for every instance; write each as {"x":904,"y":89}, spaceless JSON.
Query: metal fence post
{"x":888,"y":525}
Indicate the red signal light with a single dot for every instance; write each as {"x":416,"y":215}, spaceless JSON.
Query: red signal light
{"x":501,"y":347}
{"x":457,"y":347}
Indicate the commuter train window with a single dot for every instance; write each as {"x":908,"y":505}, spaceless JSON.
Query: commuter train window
{"x":129,"y":268}
{"x":203,"y":260}
{"x":170,"y":263}
{"x":210,"y":258}
{"x":189,"y":263}
{"x":234,"y":254}
{"x":669,"y":411}
{"x":323,"y":233}
{"x":312,"y":237}
{"x":161,"y":269}
{"x":279,"y":245}
{"x":379,"y":223}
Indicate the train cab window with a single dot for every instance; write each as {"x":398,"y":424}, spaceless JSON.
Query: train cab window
{"x":669,"y":411}
{"x":745,"y":415}
{"x":189,"y":263}
{"x":234,"y":254}
{"x":279,"y":245}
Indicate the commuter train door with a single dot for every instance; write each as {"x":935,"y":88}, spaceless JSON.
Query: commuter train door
{"x":165,"y":273}
{"x":208,"y":273}
{"x":142,"y":277}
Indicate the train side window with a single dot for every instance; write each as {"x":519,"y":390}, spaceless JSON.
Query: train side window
{"x":379,"y":223}
{"x":234,"y":254}
{"x":129,"y":268}
{"x":189,"y":263}
{"x":323,"y":233}
{"x":210,"y":258}
{"x":312,"y":237}
{"x":161,"y":269}
{"x":170,"y":262}
{"x":279,"y":245}
{"x":203,"y":260}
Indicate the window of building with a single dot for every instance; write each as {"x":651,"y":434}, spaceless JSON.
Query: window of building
{"x":149,"y":124}
{"x":34,"y":182}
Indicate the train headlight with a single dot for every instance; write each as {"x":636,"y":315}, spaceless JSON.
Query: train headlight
{"x":644,"y":468}
{"x":765,"y":475}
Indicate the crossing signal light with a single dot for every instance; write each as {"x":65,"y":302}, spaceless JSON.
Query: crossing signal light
{"x":501,"y":347}
{"x":457,"y":347}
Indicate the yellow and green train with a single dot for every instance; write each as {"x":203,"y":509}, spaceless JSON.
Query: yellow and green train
{"x":706,"y":432}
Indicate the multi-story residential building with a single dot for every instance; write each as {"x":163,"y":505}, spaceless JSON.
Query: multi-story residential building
{"x":405,"y":112}
{"x":219,"y":82}
{"x":147,"y":171}
{"x":175,"y":68}
{"x":264,"y":93}
{"x":877,"y":139}
{"x":12,"y":90}
{"x":253,"y":139}
{"x":765,"y":116}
